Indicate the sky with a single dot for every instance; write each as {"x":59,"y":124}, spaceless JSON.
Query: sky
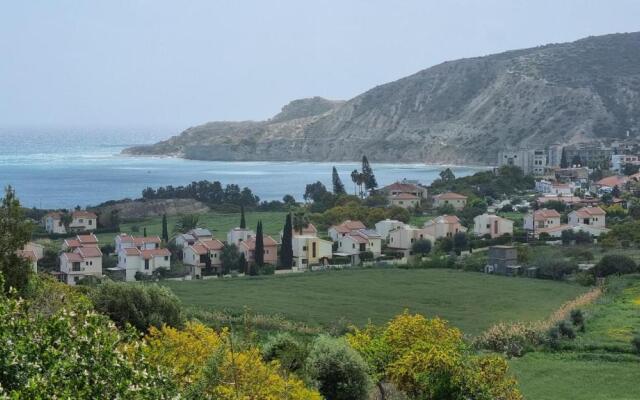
{"x":175,"y":64}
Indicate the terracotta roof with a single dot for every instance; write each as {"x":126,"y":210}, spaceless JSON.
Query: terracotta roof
{"x":212,"y":244}
{"x":83,"y":214}
{"x":54,"y":215}
{"x":251,"y":242}
{"x":612,"y":181}
{"x":586,"y":212}
{"x":72,"y":243}
{"x":147,"y":254}
{"x":545,"y":213}
{"x":446,"y":219}
{"x":358,"y":238}
{"x":405,"y":196}
{"x":72,"y":257}
{"x":87,"y":239}
{"x":348,"y":226}
{"x":450,"y":196}
{"x":89,"y":252}
{"x":28,"y":254}
{"x":131,"y":251}
{"x":403,"y":187}
{"x":124,"y":238}
{"x":144,"y":240}
{"x":199,"y":249}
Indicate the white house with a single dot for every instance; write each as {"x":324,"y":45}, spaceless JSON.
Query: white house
{"x":544,"y":219}
{"x":337,"y":231}
{"x":619,"y":160}
{"x":403,"y":237}
{"x":589,"y":219}
{"x":405,"y":194}
{"x":385,"y":226}
{"x":238,"y":235}
{"x":83,"y":221}
{"x":81,"y":263}
{"x":309,"y":250}
{"x":456,"y":200}
{"x":53,"y":223}
{"x":405,"y":200}
{"x":554,"y":188}
{"x":32,"y":252}
{"x":201,"y":254}
{"x":443,"y":226}
{"x":140,"y":254}
{"x":358,"y":241}
{"x":89,"y":240}
{"x":493,"y":225}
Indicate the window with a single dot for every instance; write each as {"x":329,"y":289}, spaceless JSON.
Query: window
{"x":304,"y":248}
{"x":90,"y":222}
{"x":166,"y":258}
{"x":81,"y":220}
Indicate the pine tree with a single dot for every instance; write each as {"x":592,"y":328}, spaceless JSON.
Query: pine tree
{"x":165,"y":229}
{"x":243,"y":223}
{"x":338,"y":187}
{"x":15,"y":232}
{"x":144,"y":231}
{"x":563,"y":160}
{"x":286,"y":252}
{"x":259,"y":254}
{"x":370,"y":182}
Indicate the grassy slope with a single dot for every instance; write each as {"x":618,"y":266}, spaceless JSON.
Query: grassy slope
{"x":471,"y":301}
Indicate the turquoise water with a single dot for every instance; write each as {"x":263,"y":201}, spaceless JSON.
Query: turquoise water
{"x":64,"y":168}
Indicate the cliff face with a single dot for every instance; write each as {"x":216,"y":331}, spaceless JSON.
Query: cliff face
{"x":462,"y":111}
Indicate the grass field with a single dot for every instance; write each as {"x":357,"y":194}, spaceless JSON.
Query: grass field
{"x":560,"y":376}
{"x":470,"y":301}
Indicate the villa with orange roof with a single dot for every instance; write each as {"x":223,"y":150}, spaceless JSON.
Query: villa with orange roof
{"x":80,"y":221}
{"x":32,"y":252}
{"x":492,"y":225}
{"x":71,"y":244}
{"x":142,"y":255}
{"x":203,"y":254}
{"x":542,"y":220}
{"x":456,"y":200}
{"x":81,"y":263}
{"x":248,"y":248}
{"x":338,"y":231}
{"x":405,"y":194}
{"x":443,"y":226}
{"x":359,"y":241}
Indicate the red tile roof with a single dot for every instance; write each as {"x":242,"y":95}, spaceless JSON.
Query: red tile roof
{"x":131,"y":251}
{"x":87,"y":239}
{"x":586,"y":212}
{"x":612,"y":181}
{"x":72,"y":243}
{"x":147,"y":254}
{"x":545,"y":213}
{"x":72,"y":257}
{"x":199,"y":249}
{"x":87,"y":252}
{"x":144,"y":240}
{"x":251,"y":242}
{"x":447,"y":219}
{"x":405,"y":196}
{"x":212,"y":244}
{"x":84,"y":214}
{"x":402,"y":187}
{"x":348,"y":226}
{"x":450,"y":196}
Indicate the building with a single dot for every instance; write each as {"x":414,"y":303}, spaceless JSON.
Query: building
{"x":577,"y":176}
{"x":502,"y":260}
{"x":405,"y":194}
{"x":32,"y":252}
{"x":457,"y":201}
{"x":335,"y":232}
{"x":492,"y":225}
{"x":89,"y":240}
{"x":385,"y":226}
{"x":541,"y":220}
{"x":309,"y":230}
{"x":618,"y":161}
{"x":83,"y":221}
{"x":239,"y":235}
{"x":309,"y":250}
{"x":205,"y":253}
{"x":443,"y":226}
{"x":248,"y":248}
{"x":590,"y":154}
{"x":140,"y":255}
{"x":594,"y":216}
{"x":82,"y":262}
{"x":607,"y":184}
{"x":359,"y":241}
{"x":554,"y":188}
{"x":53,"y":223}
{"x":403,"y":237}
{"x":569,"y":200}
{"x":531,"y":161}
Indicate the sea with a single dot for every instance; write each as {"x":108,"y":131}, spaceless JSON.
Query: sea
{"x":69,"y":167}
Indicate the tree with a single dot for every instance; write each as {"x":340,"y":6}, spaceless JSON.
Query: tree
{"x":340,"y":372}
{"x":563,"y":160}
{"x":289,"y":200}
{"x":447,"y":175}
{"x":460,"y":242}
{"x":15,"y":232}
{"x":615,"y":264}
{"x":300,"y":220}
{"x":358,"y":180}
{"x":630,"y":169}
{"x":165,"y":229}
{"x":230,"y":258}
{"x":286,"y":251}
{"x":286,"y":349}
{"x":144,"y":231}
{"x":369,"y":179}
{"x":243,"y":222}
{"x":615,"y":192}
{"x":421,"y":246}
{"x":186,"y":223}
{"x":259,"y":252}
{"x":576,"y":161}
{"x":338,"y":187}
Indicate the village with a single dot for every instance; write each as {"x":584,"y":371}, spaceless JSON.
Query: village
{"x":565,"y":204}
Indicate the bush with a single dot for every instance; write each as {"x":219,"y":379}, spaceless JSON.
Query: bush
{"x":339,"y":371}
{"x":566,"y":330}
{"x":635,"y":342}
{"x":366,"y":256}
{"x":585,"y":278}
{"x":577,"y":319}
{"x":139,"y":305}
{"x":555,"y":268}
{"x":287,"y":350}
{"x":422,"y":247}
{"x":267,"y":269}
{"x":615,"y":264}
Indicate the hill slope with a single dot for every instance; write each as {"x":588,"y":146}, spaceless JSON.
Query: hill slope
{"x":462,"y":111}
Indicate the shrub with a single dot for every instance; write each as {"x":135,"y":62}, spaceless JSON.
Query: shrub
{"x":585,"y":278}
{"x":615,"y":264}
{"x":339,"y":371}
{"x":422,"y":246}
{"x":287,"y":350}
{"x":635,"y":342}
{"x":267,"y":269}
{"x":366,"y":256}
{"x":566,"y":330}
{"x":577,"y":319}
{"x":140,"y":305}
{"x":554,"y":268}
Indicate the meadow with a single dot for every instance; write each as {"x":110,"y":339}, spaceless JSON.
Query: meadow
{"x":470,"y":301}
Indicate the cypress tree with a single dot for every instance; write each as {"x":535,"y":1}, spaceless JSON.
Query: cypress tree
{"x":259,"y":255}
{"x":165,"y":229}
{"x":338,"y":187}
{"x":243,"y":223}
{"x":370,"y":182}
{"x":144,"y":231}
{"x":286,"y":252}
{"x":563,"y":160}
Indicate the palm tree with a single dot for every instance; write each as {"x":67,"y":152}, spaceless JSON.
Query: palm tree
{"x":300,"y":220}
{"x":186,"y":223}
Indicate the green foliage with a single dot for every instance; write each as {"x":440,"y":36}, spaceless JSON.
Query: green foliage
{"x":141,"y":306}
{"x":339,"y":371}
{"x":421,"y":246}
{"x":507,"y":180}
{"x":15,"y":232}
{"x":259,"y":250}
{"x":230,"y":258}
{"x":615,"y":264}
{"x":165,"y":229}
{"x":289,"y":351}
{"x":286,"y":250}
{"x":243,"y":222}
{"x":186,"y":222}
{"x":635,"y":343}
{"x":338,"y":187}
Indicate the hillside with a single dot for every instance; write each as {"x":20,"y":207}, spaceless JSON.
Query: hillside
{"x":461,"y":111}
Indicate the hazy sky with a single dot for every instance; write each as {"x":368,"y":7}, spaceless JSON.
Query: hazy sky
{"x":174,"y":64}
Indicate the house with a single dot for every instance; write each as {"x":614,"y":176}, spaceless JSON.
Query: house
{"x":185,"y":240}
{"x":309,"y":250}
{"x":203,"y":253}
{"x":607,"y":184}
{"x":248,"y":248}
{"x":579,"y":176}
{"x":83,"y":221}
{"x":81,"y":263}
{"x":405,"y":194}
{"x":492,"y":225}
{"x":502,"y":260}
{"x":140,"y":254}
{"x":385,"y":226}
{"x":542,"y":219}
{"x":618,"y":161}
{"x":32,"y":252}
{"x":403,"y":237}
{"x":124,"y":241}
{"x":200,"y":233}
{"x":569,"y":200}
{"x":588,"y":219}
{"x":554,"y":188}
{"x":53,"y":223}
{"x":89,"y":240}
{"x":443,"y":226}
{"x":359,"y":241}
{"x":456,"y":200}
{"x":337,"y":231}
{"x":309,"y":230}
{"x":238,"y":235}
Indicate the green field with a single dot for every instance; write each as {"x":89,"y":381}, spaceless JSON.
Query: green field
{"x":471,"y":301}
{"x":545,"y":376}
